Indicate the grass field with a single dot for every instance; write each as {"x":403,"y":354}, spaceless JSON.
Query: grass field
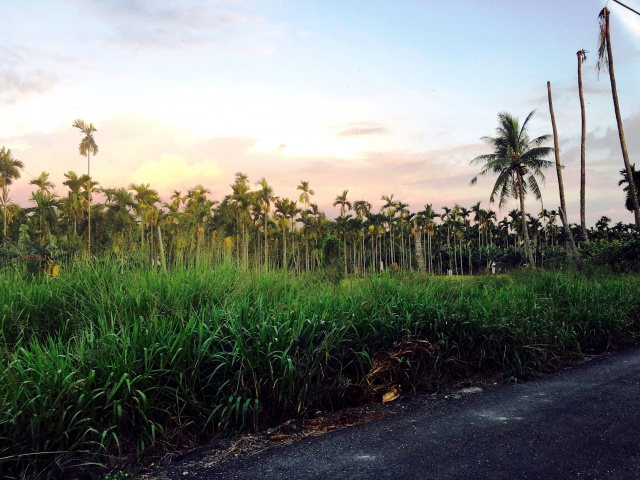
{"x":109,"y":360}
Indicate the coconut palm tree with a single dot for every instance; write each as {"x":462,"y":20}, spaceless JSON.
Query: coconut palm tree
{"x":517,"y":160}
{"x":87,"y":147}
{"x":9,"y":171}
{"x":605,"y":62}
{"x":582,"y":57}
{"x":628,"y":203}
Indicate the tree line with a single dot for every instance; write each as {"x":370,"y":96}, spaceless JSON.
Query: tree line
{"x":255,"y":228}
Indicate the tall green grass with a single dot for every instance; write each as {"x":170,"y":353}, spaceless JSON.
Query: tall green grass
{"x":110,"y":359}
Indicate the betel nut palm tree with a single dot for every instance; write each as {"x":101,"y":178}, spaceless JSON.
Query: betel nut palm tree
{"x":9,"y":171}
{"x":605,"y":62}
{"x":344,"y":206}
{"x":87,"y":147}
{"x":265,"y":197}
{"x":517,"y":160}
{"x":43,"y":184}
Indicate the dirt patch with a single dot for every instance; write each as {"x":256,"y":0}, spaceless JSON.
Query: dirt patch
{"x":207,"y":456}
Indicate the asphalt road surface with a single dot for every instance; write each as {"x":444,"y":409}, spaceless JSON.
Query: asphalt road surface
{"x":580,"y":423}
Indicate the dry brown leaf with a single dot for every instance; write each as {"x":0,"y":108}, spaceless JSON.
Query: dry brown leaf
{"x":278,"y":437}
{"x":391,"y":395}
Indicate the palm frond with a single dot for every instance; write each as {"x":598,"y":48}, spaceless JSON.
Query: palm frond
{"x":534,"y":187}
{"x":603,"y":55}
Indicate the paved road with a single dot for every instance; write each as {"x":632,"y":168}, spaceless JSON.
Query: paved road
{"x":580,"y":423}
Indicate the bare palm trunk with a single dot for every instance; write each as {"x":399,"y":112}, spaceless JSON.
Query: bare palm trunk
{"x":581,"y":57}
{"x":616,"y":106}
{"x":573,"y":251}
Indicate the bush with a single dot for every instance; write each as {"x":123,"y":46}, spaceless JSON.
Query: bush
{"x":332,"y":261}
{"x":618,"y":255}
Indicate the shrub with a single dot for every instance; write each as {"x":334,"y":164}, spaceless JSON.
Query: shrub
{"x":332,"y":261}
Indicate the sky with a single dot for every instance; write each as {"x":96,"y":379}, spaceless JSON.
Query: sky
{"x":374,"y":97}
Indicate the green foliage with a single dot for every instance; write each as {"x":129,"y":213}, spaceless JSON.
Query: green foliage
{"x":110,"y":358}
{"x":332,"y":260}
{"x":616,"y":255}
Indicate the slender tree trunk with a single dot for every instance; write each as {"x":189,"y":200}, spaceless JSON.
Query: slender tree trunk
{"x":525,"y":232}
{"x":422,"y":267}
{"x":89,"y":198}
{"x":266,"y":243}
{"x":142,"y":235}
{"x":430,"y":254}
{"x":5,"y":200}
{"x":573,"y":251}
{"x":162,"y":258}
{"x":582,"y":148}
{"x":284,"y":241}
{"x":616,"y":106}
{"x":344,"y":249}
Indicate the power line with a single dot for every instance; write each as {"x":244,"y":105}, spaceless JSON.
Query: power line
{"x":625,"y":6}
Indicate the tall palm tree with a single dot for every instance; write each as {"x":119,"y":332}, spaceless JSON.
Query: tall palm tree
{"x":145,"y":198}
{"x":87,"y":147}
{"x":582,"y":57}
{"x":605,"y":62}
{"x":404,"y":216}
{"x":45,"y":212}
{"x":73,"y":202}
{"x":429,"y":214}
{"x":265,"y":197}
{"x":305,"y":196}
{"x":517,"y":160}
{"x":282,"y":213}
{"x":362,"y":209}
{"x":9,"y":171}
{"x":344,"y":206}
{"x":390,"y":207}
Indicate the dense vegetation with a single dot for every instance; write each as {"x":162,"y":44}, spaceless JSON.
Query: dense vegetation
{"x":173,"y":322}
{"x":110,"y":358}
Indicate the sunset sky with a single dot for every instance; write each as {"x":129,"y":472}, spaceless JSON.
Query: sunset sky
{"x":377,"y":97}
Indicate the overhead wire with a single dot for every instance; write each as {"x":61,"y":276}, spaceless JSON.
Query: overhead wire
{"x":627,"y":7}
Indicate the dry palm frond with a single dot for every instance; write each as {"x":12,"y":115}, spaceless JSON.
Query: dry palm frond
{"x":603,"y":55}
{"x":389,"y":368}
